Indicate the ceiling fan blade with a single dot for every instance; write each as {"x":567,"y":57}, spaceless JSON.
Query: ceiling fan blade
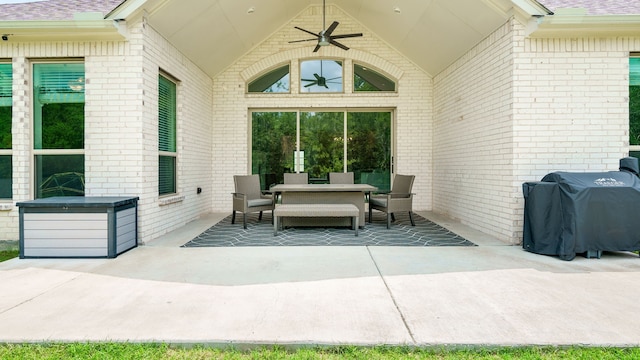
{"x":332,"y":42}
{"x":296,"y":41}
{"x":316,"y":48}
{"x":317,"y":76}
{"x":303,"y":40}
{"x":331,"y":28}
{"x":307,"y":31}
{"x":308,"y":79}
{"x":346,"y":36}
{"x":313,"y":83}
{"x":337,"y":77}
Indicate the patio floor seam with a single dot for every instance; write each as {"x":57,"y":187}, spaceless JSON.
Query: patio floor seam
{"x":395,"y":303}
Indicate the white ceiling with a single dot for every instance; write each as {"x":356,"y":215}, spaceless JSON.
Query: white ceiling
{"x":431,"y":33}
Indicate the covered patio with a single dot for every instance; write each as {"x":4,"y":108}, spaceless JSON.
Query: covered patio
{"x":482,"y":91}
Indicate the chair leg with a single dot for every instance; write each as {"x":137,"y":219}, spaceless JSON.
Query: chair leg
{"x":275,"y":226}
{"x":393,"y":217}
{"x":411,"y":218}
{"x":244,"y":220}
{"x":260,"y":216}
{"x":389,"y":220}
{"x":233,"y":217}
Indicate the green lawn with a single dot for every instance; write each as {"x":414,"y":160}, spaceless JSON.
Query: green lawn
{"x":163,"y":351}
{"x":8,"y":254}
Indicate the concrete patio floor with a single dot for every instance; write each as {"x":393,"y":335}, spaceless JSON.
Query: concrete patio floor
{"x":492,"y":294}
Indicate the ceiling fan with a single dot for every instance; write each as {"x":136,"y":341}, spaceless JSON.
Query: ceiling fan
{"x":324,"y":37}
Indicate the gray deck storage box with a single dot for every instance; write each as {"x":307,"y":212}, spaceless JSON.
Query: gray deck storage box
{"x":574,"y":213}
{"x":78,"y":226}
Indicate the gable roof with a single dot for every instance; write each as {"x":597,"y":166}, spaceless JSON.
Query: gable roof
{"x":432,"y":33}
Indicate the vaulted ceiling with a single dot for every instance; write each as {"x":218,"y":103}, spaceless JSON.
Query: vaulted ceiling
{"x":431,"y":33}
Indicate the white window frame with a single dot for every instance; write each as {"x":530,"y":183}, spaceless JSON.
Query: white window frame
{"x":164,"y":153}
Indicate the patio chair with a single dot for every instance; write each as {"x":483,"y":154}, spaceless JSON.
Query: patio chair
{"x":399,"y":199}
{"x":248,"y":198}
{"x":296,"y":178}
{"x":340,"y":178}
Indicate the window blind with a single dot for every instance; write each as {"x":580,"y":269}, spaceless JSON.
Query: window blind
{"x":166,"y":115}
{"x":59,"y":83}
{"x":634,"y":71}
{"x":6,"y":80}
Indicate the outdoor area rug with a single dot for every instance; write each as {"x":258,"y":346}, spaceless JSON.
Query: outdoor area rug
{"x":260,"y":233}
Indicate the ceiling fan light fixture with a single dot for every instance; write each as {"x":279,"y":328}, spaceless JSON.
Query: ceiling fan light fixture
{"x":323,"y":40}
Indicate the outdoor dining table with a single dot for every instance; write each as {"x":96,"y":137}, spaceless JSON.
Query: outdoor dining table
{"x":323,"y":194}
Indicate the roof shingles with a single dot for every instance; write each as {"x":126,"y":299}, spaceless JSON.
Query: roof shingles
{"x":54,"y":9}
{"x":65,"y":9}
{"x":596,"y":7}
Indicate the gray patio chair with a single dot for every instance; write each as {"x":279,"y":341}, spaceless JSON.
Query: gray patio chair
{"x":399,"y":199}
{"x":296,"y":178}
{"x":341,"y":178}
{"x":248,"y":198}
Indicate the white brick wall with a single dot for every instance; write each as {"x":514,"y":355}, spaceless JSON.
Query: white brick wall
{"x":161,"y":215}
{"x":413,"y":130}
{"x":121,"y":141}
{"x":514,"y":109}
{"x":472,"y":136}
{"x":572,"y":108}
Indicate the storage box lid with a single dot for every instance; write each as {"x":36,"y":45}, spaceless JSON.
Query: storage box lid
{"x":80,"y":201}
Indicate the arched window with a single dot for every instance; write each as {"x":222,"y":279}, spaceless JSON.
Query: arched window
{"x":274,"y":81}
{"x":367,"y":79}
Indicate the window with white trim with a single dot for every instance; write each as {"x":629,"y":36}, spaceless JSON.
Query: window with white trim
{"x":320,"y":76}
{"x":6,"y":101}
{"x":366,"y":79}
{"x":167,"y":114}
{"x":273,"y":81}
{"x":58,"y":131}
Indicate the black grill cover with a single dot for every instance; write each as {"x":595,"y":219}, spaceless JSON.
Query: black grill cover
{"x":573,"y":213}
{"x":630,"y":164}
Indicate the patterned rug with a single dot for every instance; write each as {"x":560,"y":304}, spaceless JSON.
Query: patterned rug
{"x":260,"y":233}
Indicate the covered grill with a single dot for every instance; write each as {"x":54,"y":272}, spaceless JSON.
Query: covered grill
{"x":573,"y":213}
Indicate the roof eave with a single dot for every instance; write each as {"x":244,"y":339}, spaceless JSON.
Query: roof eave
{"x":532,"y":7}
{"x":586,"y":26}
{"x":72,"y":30}
{"x":126,"y":9}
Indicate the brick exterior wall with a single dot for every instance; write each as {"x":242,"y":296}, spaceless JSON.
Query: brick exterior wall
{"x":121,"y":131}
{"x":571,"y":109}
{"x":473,"y":146}
{"x":412,"y":103}
{"x":514,"y":109}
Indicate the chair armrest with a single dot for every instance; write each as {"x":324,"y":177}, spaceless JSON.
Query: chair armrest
{"x":400,"y":195}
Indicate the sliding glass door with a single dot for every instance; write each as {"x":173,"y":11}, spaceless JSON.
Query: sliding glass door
{"x":369,"y":148}
{"x":273,"y":144}
{"x":314,"y":142}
